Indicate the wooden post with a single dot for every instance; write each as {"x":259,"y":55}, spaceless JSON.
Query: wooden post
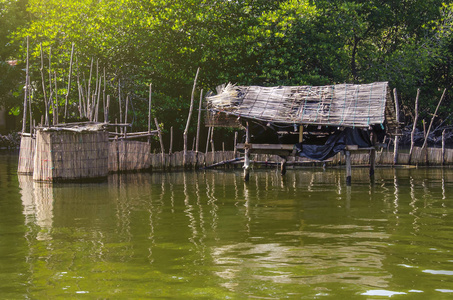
{"x":125,"y":115}
{"x":207,"y":146}
{"x":30,"y":97}
{"x":149,"y":112}
{"x":301,"y":133}
{"x":348,"y":167}
{"x":69,"y":84}
{"x":119,"y":100}
{"x":395,"y":146}
{"x":89,"y":97}
{"x":24,"y":118}
{"x":51,"y":103}
{"x":107,"y":109}
{"x":162,"y":149}
{"x":414,"y":126}
{"x":188,"y":119}
{"x":56,"y":98}
{"x":443,"y":147}
{"x":373,"y":140}
{"x":372,"y":162}
{"x":247,"y":154}
{"x":425,"y":143}
{"x":283,"y":166}
{"x":198,"y":124}
{"x":98,"y":92}
{"x":104,"y":99}
{"x":235,"y":152}
{"x":171,"y":140}
{"x":212,"y":145}
{"x":44,"y":90}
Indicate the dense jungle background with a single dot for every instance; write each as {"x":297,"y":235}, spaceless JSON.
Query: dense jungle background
{"x":247,"y":42}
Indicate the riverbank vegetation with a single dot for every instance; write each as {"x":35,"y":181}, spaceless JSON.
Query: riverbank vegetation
{"x":248,"y":42}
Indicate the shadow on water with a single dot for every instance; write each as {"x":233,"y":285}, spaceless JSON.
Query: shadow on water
{"x":209,"y":234}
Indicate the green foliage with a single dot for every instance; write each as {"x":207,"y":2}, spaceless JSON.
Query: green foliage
{"x":287,"y":42}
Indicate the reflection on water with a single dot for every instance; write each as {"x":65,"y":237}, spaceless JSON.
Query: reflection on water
{"x":210,"y":235}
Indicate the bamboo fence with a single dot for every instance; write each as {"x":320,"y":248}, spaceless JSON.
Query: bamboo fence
{"x":64,"y":155}
{"x":26,"y":155}
{"x":383,"y":158}
{"x":128,"y":156}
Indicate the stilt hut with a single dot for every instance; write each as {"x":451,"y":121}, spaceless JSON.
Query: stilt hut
{"x":71,"y":152}
{"x":312,"y":121}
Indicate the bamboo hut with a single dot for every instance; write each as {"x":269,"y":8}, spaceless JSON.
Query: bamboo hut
{"x":71,"y":153}
{"x":311,"y":121}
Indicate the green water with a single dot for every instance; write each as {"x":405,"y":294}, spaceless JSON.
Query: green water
{"x":208,"y":235}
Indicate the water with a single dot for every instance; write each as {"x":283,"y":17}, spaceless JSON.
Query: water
{"x":210,"y":236}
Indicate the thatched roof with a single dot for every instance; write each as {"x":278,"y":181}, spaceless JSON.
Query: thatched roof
{"x":346,"y":105}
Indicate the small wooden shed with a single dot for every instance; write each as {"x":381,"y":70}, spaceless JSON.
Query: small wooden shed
{"x":300,"y":112}
{"x":71,"y":153}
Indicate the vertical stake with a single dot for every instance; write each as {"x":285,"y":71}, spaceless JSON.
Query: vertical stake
{"x":348,"y":167}
{"x":247,"y":154}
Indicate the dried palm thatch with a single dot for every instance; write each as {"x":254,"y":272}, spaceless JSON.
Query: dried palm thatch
{"x":346,"y":105}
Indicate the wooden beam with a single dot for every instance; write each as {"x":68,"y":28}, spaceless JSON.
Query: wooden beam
{"x":265,"y":146}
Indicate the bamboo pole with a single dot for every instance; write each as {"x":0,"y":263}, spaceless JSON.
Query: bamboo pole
{"x":56,"y":98}
{"x":247,"y":154}
{"x":98,"y":92}
{"x":24,"y":118}
{"x":125,"y":115}
{"x":171,"y":140}
{"x":443,"y":147}
{"x":69,"y":84}
{"x":397,"y":110}
{"x":50,"y":87}
{"x":348,"y":167}
{"x":425,"y":142}
{"x":235,"y":152}
{"x":162,"y":149}
{"x":119,"y":100}
{"x":207,"y":145}
{"x":30,"y":97}
{"x":104,"y":98}
{"x":106,"y":113}
{"x":149,"y":111}
{"x":188,"y":118}
{"x":198,"y":124}
{"x":212,"y":144}
{"x":372,"y":162}
{"x":89,"y":97}
{"x":44,"y":90}
{"x":414,"y":127}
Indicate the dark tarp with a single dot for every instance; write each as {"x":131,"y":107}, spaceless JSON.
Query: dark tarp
{"x":334,"y":144}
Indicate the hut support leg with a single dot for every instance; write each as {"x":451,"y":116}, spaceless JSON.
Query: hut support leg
{"x":372,"y":162}
{"x":348,"y":168}
{"x":247,"y":154}
{"x":247,"y":165}
{"x":283,"y":166}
